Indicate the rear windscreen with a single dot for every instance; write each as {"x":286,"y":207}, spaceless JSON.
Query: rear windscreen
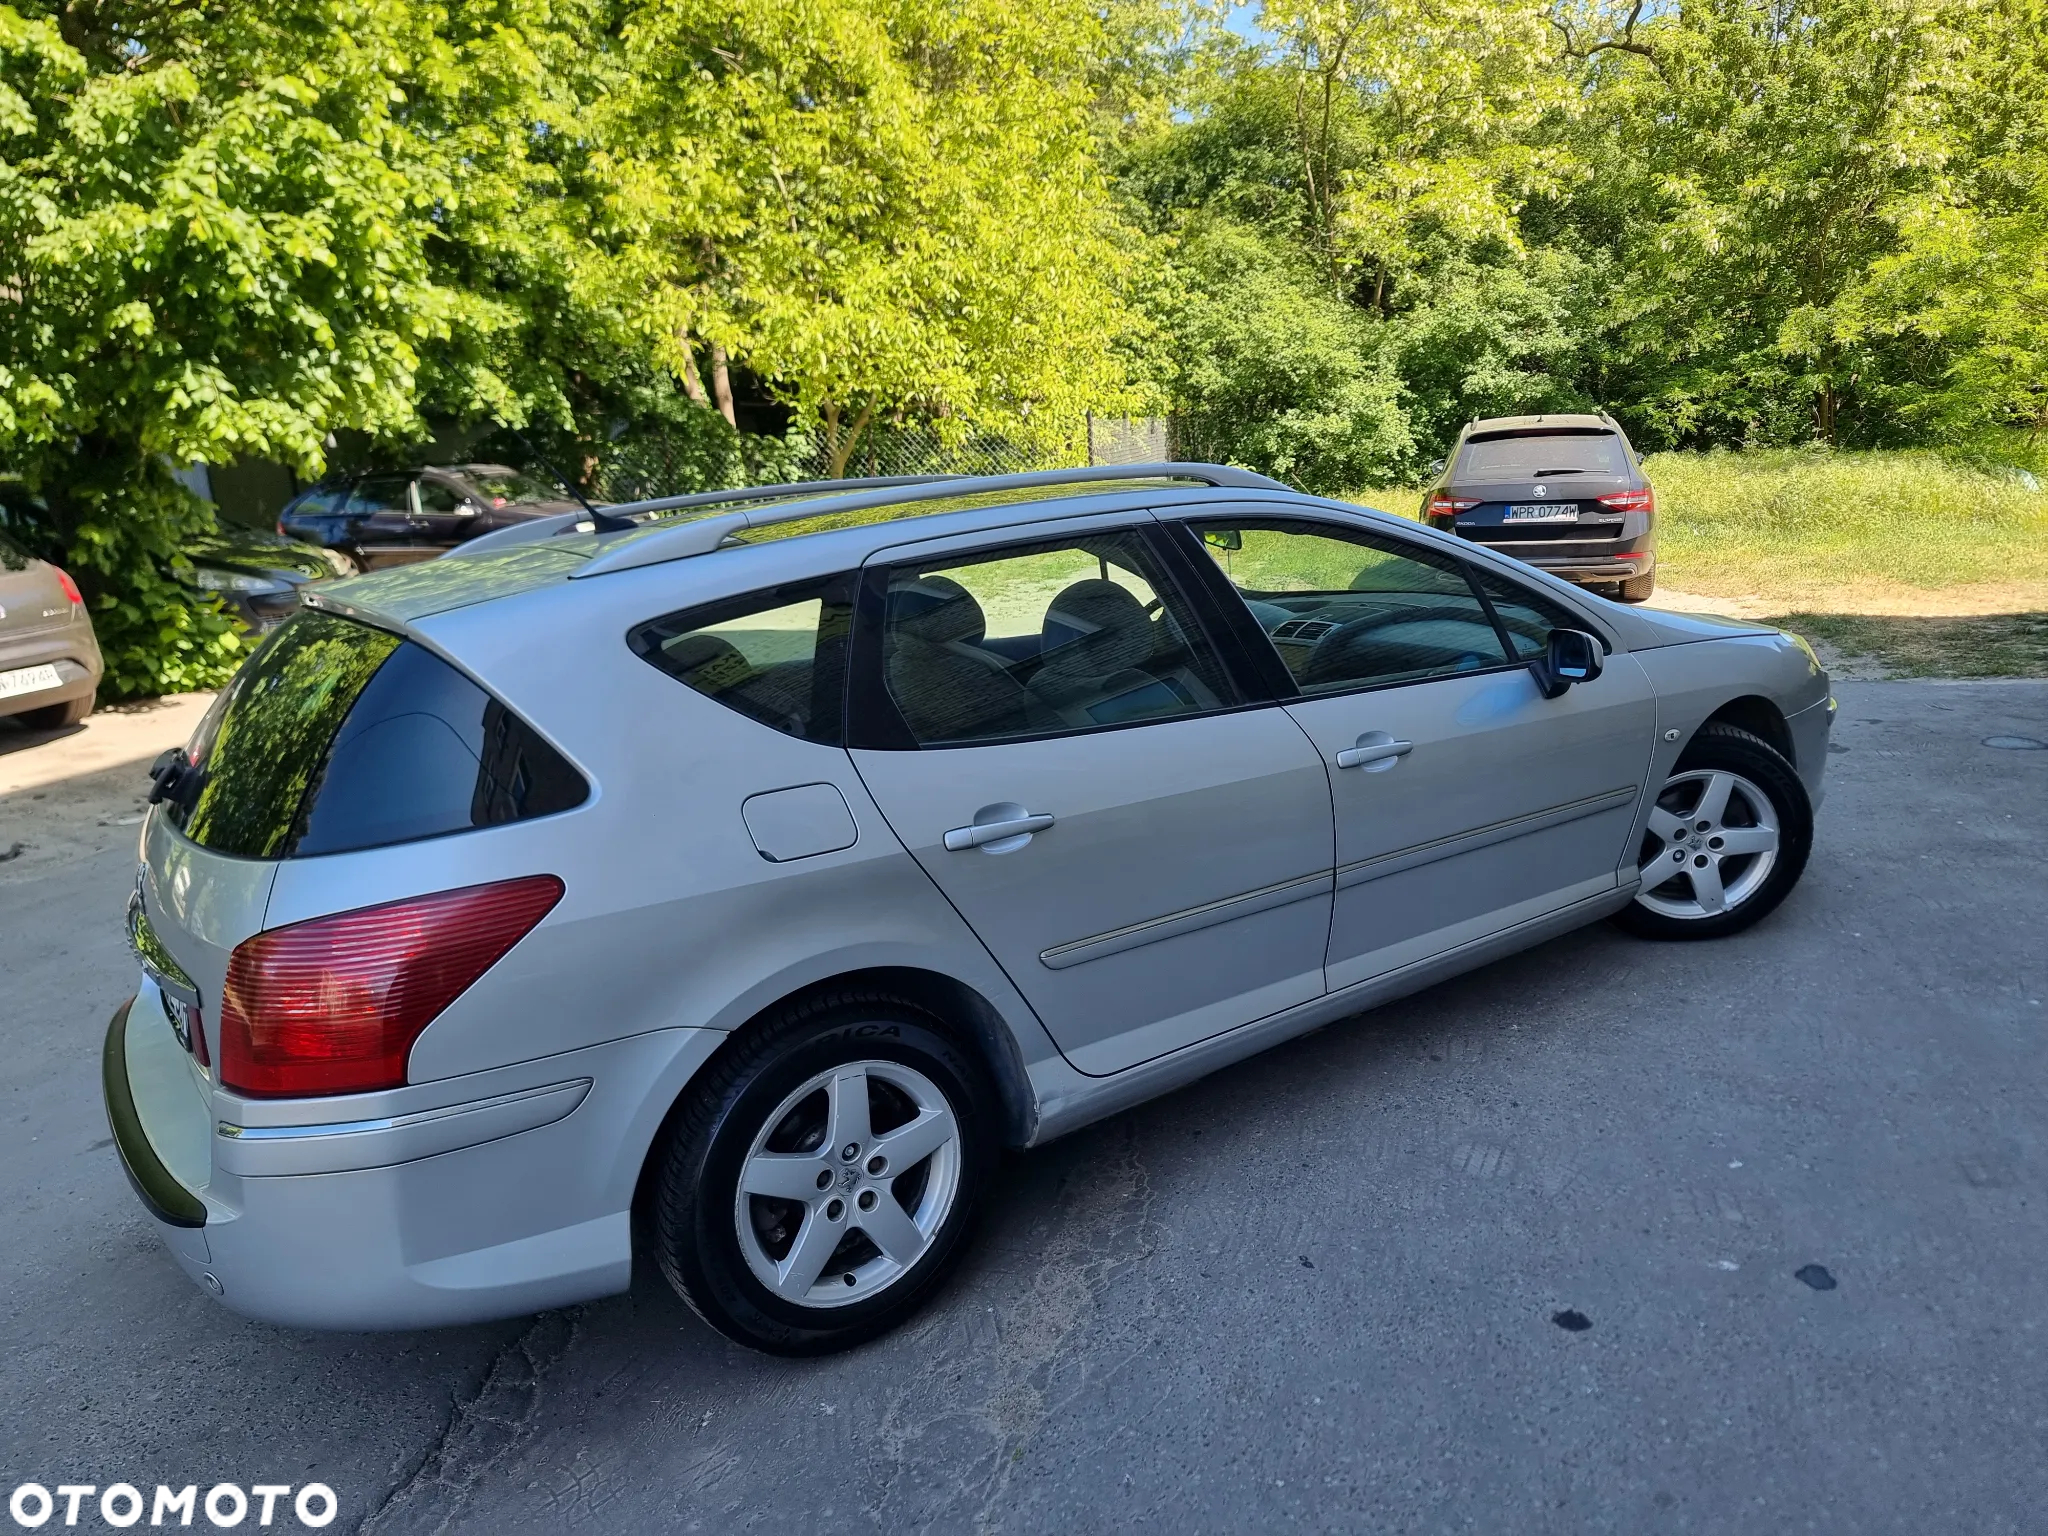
{"x":1523,"y":458}
{"x":337,"y":736}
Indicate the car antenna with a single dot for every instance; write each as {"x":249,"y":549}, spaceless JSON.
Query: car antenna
{"x":603,"y":522}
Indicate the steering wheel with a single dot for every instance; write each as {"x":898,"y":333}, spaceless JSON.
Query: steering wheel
{"x":1323,"y":656}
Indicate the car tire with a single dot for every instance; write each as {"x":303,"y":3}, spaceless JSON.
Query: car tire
{"x":1761,"y":804}
{"x":1637,"y":589}
{"x":806,"y":1271}
{"x":55,"y":717}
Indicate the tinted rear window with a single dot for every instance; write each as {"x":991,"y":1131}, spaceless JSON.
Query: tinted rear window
{"x":1520,"y":458}
{"x":338,"y":736}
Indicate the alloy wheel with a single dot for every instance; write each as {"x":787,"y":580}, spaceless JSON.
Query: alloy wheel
{"x":1711,"y":842}
{"x":847,"y":1183}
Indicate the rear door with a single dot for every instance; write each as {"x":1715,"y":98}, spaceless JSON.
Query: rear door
{"x":1053,"y":734}
{"x":1466,"y":803}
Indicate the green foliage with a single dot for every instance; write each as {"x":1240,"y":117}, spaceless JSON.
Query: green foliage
{"x":215,"y":245}
{"x":1279,"y":373}
{"x":1729,"y":222}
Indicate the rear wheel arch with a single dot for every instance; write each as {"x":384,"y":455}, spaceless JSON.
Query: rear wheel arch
{"x":959,"y":1010}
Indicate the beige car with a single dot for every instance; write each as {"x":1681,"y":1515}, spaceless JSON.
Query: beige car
{"x":49,"y":658}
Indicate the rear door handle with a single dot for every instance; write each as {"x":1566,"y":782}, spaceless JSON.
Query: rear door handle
{"x":999,"y":828}
{"x":1382,"y":751}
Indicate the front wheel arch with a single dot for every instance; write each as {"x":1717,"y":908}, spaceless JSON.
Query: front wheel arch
{"x":1758,"y":716}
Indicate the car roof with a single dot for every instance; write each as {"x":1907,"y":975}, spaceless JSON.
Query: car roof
{"x":1573,"y":421}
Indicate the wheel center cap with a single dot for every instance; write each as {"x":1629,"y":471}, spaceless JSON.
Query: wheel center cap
{"x":848,"y":1177}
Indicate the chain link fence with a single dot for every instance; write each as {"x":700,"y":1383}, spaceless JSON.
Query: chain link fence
{"x":677,"y":462}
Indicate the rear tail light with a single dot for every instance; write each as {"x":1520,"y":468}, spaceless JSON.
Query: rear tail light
{"x":70,"y":587}
{"x":334,"y":1005}
{"x":1644,"y":500}
{"x":280,"y":529}
{"x":1445,"y":505}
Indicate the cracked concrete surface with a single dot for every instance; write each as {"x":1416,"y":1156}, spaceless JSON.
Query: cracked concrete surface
{"x":1315,"y":1290}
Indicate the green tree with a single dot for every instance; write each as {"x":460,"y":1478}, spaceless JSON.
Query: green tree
{"x":885,"y":211}
{"x":214,"y":246}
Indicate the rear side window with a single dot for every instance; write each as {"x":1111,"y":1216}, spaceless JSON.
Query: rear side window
{"x":778,"y":657}
{"x":318,"y":502}
{"x":1521,"y":458}
{"x":336,"y":736}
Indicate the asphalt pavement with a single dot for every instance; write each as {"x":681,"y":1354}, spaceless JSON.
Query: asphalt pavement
{"x":1609,"y":1236}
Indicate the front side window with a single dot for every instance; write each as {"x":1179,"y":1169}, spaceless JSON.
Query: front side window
{"x":777,"y":657}
{"x":1527,"y":617}
{"x":1043,"y":639}
{"x":439,"y":496}
{"x":1347,"y":611}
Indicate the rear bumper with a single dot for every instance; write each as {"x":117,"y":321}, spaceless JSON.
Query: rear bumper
{"x":513,"y":1198}
{"x":161,"y":1192}
{"x":70,"y":648}
{"x":1589,"y":553}
{"x":1593,"y":570}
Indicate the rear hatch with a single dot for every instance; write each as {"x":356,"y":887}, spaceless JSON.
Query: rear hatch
{"x":32,"y":595}
{"x":1540,"y":488}
{"x":336,"y":736}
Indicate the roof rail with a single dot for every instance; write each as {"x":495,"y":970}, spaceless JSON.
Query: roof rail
{"x":768,"y":493}
{"x":702,"y":535}
{"x":580,"y":521}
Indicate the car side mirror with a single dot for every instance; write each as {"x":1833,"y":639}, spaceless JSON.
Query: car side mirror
{"x":1436,"y":466}
{"x":1569,"y":656}
{"x":1223,"y":538}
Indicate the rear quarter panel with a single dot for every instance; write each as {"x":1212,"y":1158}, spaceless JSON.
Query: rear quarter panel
{"x":671,"y":917}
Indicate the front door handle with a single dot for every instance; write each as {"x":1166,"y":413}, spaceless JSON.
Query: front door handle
{"x":1000,"y":828}
{"x":1376,"y":752}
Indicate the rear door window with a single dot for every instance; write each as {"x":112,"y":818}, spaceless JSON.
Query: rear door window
{"x":385,"y":494}
{"x":1041,"y":640}
{"x":337,"y":736}
{"x":1524,"y":458}
{"x":319,"y":502}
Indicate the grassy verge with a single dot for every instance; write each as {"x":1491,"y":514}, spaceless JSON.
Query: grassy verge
{"x":1928,"y":565}
{"x":1839,"y":527}
{"x":1989,"y":645}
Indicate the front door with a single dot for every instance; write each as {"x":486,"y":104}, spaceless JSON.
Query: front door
{"x":1053,"y":735}
{"x":382,"y":522}
{"x":1466,"y":802}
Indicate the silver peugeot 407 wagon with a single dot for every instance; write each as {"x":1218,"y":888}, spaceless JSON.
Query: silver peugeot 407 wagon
{"x":727,"y":880}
